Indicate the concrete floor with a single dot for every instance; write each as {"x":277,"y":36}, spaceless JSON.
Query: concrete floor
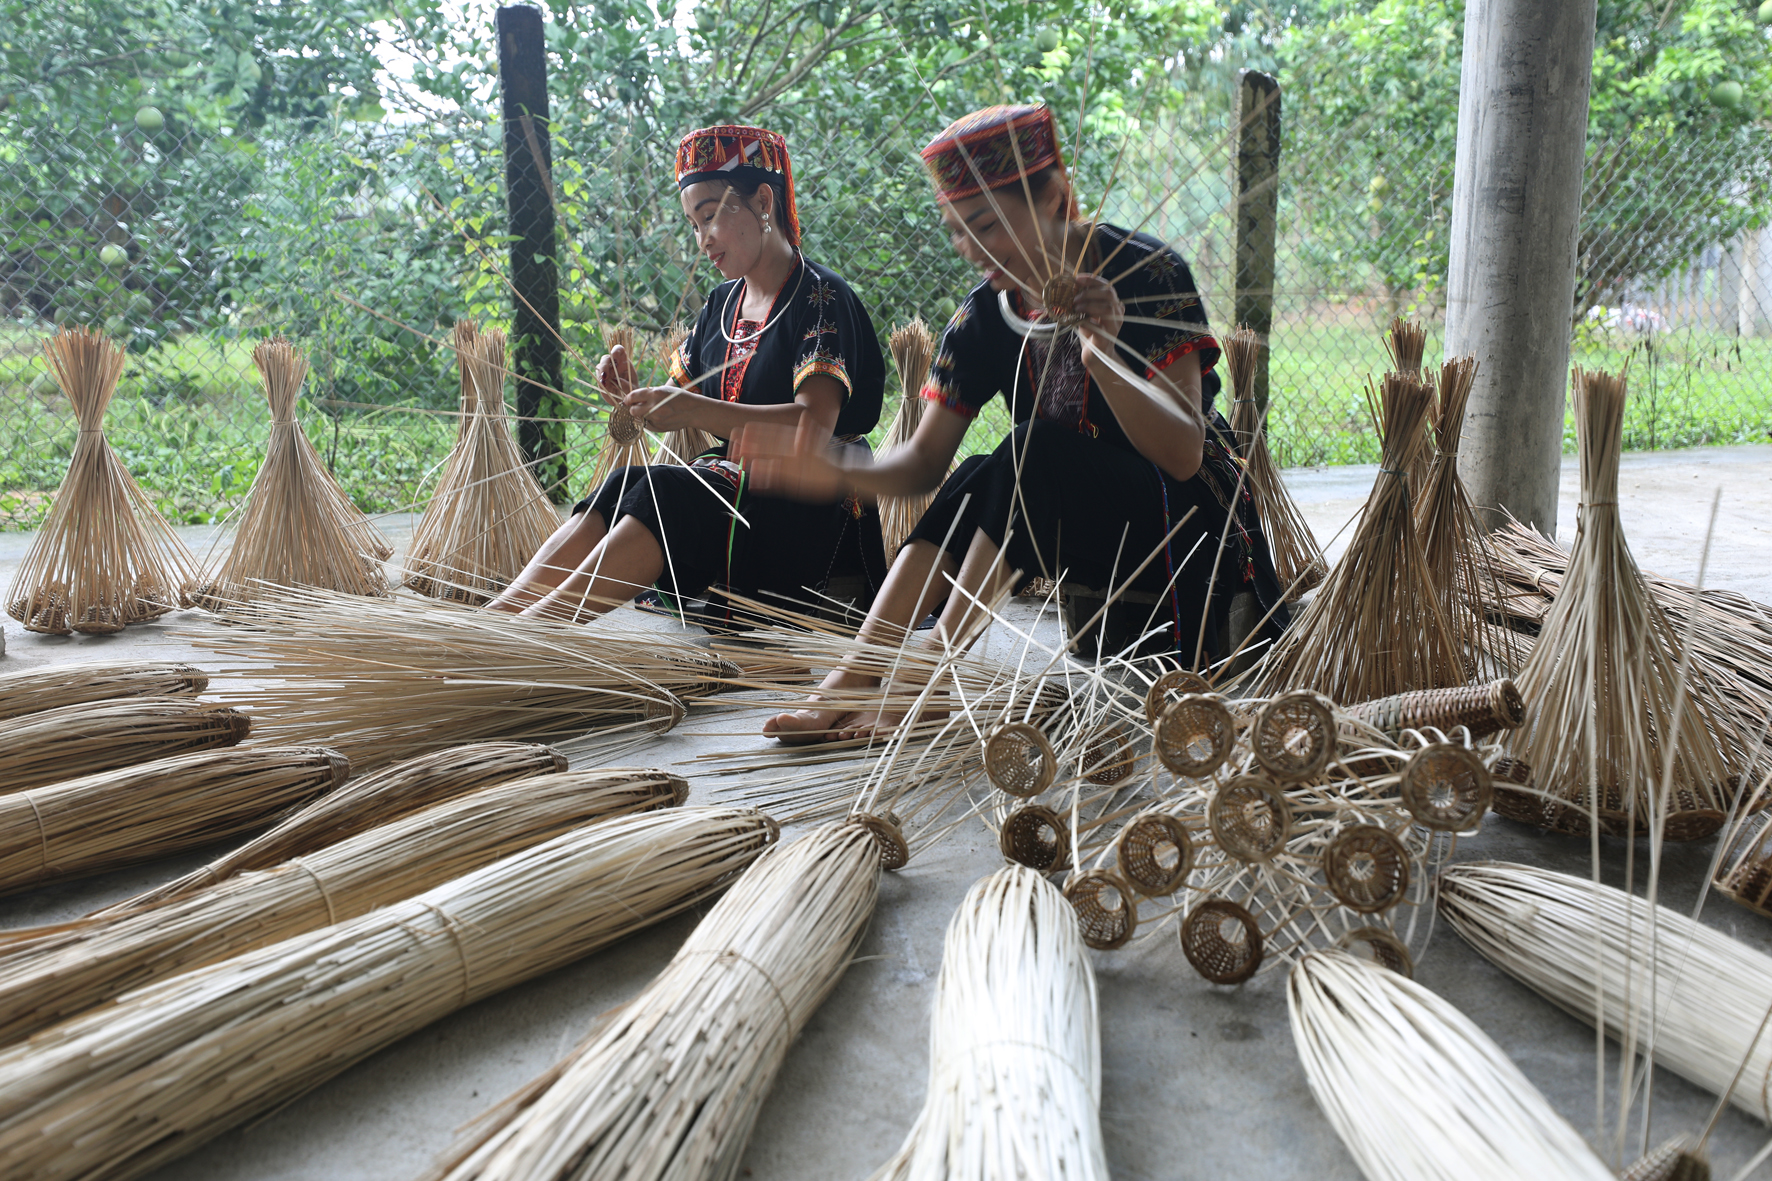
{"x":1198,"y":1081}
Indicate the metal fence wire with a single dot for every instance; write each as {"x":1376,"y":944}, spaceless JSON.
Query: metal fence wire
{"x":365,"y":242}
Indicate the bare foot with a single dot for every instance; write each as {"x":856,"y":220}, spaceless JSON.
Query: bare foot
{"x":802,"y":727}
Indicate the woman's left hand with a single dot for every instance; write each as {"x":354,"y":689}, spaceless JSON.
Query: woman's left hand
{"x":663,"y":407}
{"x":1103,"y":314}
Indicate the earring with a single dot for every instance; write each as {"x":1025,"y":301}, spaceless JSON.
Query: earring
{"x":766,"y":228}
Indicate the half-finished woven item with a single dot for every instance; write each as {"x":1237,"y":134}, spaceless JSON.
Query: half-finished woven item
{"x":298,"y":528}
{"x":35,"y":690}
{"x":76,"y":740}
{"x":121,"y":1090}
{"x":624,"y":444}
{"x":1297,"y":557}
{"x":105,"y":557}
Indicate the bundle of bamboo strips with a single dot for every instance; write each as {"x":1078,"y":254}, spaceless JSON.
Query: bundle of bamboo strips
{"x":1297,"y":557}
{"x":105,"y":557}
{"x":488,"y":515}
{"x":626,"y":445}
{"x":1014,"y":1046}
{"x":670,"y":1084}
{"x":1460,"y":560}
{"x":39,"y":689}
{"x":913,"y":348}
{"x":1662,"y":983}
{"x":361,"y":804}
{"x":75,"y":740}
{"x":121,"y":1090}
{"x":298,"y":528}
{"x":1406,"y":342}
{"x":53,"y":973}
{"x":1376,"y":627}
{"x":1620,"y":729}
{"x":1415,"y":1089}
{"x":389,"y":680}
{"x":82,"y":826}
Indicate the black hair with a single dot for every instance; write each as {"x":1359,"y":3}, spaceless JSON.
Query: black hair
{"x":746,"y":181}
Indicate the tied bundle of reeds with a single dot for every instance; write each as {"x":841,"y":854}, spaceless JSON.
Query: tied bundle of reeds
{"x":670,"y":1084}
{"x":83,"y":826}
{"x":1415,"y":1089}
{"x":1460,"y":560}
{"x":39,"y":689}
{"x":626,"y":444}
{"x":361,"y":804}
{"x":299,"y":528}
{"x":1014,"y":1046}
{"x":1406,"y":342}
{"x":913,"y":349}
{"x":1660,"y":982}
{"x":121,"y":1090}
{"x":75,"y":740}
{"x":1297,"y":558}
{"x":105,"y":557}
{"x":488,"y":515}
{"x":1621,"y":733}
{"x":53,"y":973}
{"x":385,"y":680}
{"x":1376,"y":627}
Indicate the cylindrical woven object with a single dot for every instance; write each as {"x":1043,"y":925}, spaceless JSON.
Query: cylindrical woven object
{"x":1106,"y":907}
{"x":122,"y":1090}
{"x":134,"y":814}
{"x":1415,"y":1090}
{"x":61,"y":970}
{"x":1014,"y":1046}
{"x":76,"y":740}
{"x":1481,"y":709}
{"x":365,"y":802}
{"x":1037,"y":837}
{"x":39,"y":689}
{"x":1222,"y":941}
{"x":1701,"y":992}
{"x":669,"y":1085}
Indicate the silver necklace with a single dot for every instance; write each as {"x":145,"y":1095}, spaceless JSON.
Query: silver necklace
{"x":800,"y":267}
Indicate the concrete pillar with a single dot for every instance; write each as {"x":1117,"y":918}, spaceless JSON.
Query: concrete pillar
{"x":1516,"y":204}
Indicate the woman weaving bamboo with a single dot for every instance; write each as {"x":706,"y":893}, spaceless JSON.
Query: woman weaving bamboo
{"x":783,"y":342}
{"x":1115,"y":439}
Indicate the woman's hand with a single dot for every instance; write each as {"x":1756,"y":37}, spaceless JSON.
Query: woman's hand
{"x":615,"y":374}
{"x":664,"y":407}
{"x":1103,"y":314}
{"x":789,"y":461}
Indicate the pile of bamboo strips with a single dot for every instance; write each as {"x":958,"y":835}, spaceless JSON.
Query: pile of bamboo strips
{"x":124,"y":1089}
{"x":84,"y":739}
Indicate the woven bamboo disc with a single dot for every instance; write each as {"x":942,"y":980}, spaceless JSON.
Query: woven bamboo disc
{"x":1294,"y":735}
{"x":1222,"y":941}
{"x":1250,"y":818}
{"x":38,"y":689}
{"x":1177,"y":681}
{"x":1154,"y":853}
{"x":1447,"y":788}
{"x":1105,"y":908}
{"x":1481,"y":709}
{"x":1381,"y":947}
{"x":1367,"y":868}
{"x":1109,"y":757}
{"x":1195,"y":735}
{"x":77,"y":740}
{"x":1019,"y":760}
{"x":895,"y":853}
{"x":1037,"y":837}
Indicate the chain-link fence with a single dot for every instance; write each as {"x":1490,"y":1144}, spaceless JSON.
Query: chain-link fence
{"x":364,"y":242}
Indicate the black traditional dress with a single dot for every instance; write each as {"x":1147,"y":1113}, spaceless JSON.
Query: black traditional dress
{"x":1087,"y":506}
{"x":782,"y":547}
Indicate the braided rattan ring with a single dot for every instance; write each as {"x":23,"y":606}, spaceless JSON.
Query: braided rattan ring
{"x":1195,"y":735}
{"x":888,"y":836}
{"x":1219,"y":957}
{"x":1294,"y":735}
{"x":1176,"y":680}
{"x":1109,"y":757}
{"x":1036,"y":836}
{"x":1379,"y":945}
{"x":1105,"y":909}
{"x":1367,"y":868}
{"x":1250,"y":819}
{"x":1019,"y":760}
{"x":1447,"y":788}
{"x":1154,"y":854}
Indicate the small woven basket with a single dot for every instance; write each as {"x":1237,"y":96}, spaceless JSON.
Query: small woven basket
{"x":1019,"y":760}
{"x":1195,"y":735}
{"x":1035,"y":836}
{"x":1154,"y":853}
{"x":1222,"y":941}
{"x":1105,"y":908}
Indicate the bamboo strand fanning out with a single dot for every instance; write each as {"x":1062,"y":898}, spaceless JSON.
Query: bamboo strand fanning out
{"x":1297,"y":558}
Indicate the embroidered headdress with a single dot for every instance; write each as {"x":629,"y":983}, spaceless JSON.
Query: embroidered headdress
{"x":992,"y":148}
{"x":732,"y":152}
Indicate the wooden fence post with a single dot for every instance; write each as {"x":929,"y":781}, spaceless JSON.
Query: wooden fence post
{"x":1258,"y":210}
{"x":535,"y":279}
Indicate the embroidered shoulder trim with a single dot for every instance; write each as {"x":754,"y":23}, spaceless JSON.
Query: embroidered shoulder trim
{"x":934,"y":391}
{"x":1178,"y":346}
{"x":826,"y":363}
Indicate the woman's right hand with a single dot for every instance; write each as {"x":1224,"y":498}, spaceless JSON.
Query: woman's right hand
{"x":615,"y":374}
{"x":789,"y":461}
